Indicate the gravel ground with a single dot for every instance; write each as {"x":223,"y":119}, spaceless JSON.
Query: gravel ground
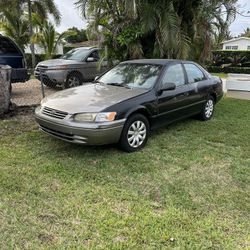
{"x":29,"y":93}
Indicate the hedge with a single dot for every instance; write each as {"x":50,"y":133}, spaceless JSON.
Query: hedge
{"x":235,"y":57}
{"x":216,"y":69}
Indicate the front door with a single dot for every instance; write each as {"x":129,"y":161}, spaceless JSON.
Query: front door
{"x":173,"y":104}
{"x":91,"y":69}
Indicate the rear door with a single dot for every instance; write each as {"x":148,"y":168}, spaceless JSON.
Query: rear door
{"x":198,"y":84}
{"x":173,"y":104}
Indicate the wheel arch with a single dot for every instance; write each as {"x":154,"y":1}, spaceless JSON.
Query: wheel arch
{"x":74,"y":71}
{"x":139,"y":110}
{"x":213,"y":94}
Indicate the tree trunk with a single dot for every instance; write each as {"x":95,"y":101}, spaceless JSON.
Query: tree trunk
{"x":5,"y":74}
{"x":32,"y":46}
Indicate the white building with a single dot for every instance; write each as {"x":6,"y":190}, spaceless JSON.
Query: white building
{"x":39,"y":50}
{"x":240,"y":43}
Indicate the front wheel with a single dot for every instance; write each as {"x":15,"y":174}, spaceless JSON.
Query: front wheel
{"x":207,"y":109}
{"x":135,"y":133}
{"x":73,"y":80}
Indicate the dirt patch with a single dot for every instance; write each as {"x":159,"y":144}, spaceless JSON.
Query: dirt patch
{"x":18,"y":110}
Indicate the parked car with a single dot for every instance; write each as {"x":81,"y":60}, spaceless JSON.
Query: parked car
{"x":12,"y":55}
{"x":128,"y":101}
{"x":72,"y":69}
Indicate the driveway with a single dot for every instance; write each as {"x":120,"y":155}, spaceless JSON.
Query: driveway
{"x":237,"y":86}
{"x":29,"y":93}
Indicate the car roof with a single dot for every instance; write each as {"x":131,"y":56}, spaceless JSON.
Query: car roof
{"x":87,"y":48}
{"x":155,"y":61}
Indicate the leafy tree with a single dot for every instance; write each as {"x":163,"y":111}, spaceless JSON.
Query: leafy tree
{"x":78,"y":35}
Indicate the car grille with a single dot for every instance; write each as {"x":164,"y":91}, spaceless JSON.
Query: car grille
{"x":41,"y":68}
{"x":54,"y":113}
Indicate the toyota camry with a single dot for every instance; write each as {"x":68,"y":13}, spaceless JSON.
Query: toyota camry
{"x":124,"y":104}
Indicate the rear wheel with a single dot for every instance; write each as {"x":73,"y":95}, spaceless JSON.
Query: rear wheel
{"x":207,"y":109}
{"x":135,"y":133}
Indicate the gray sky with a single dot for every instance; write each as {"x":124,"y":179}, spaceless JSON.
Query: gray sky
{"x":241,"y":23}
{"x":71,"y":16}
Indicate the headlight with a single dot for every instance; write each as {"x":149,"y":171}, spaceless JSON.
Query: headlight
{"x":95,"y":117}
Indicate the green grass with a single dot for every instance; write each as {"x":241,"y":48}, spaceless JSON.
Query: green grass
{"x":188,"y":189}
{"x":221,"y":75}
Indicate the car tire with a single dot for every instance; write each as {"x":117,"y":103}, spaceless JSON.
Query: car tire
{"x":74,"y":79}
{"x":207,"y":109}
{"x":135,"y":133}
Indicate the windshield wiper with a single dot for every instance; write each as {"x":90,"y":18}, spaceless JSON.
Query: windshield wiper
{"x":124,"y":85}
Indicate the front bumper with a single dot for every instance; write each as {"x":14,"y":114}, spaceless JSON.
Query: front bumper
{"x":80,"y":133}
{"x":51,"y":77}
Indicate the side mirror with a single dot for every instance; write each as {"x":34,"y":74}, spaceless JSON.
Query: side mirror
{"x":90,"y":59}
{"x":167,"y":86}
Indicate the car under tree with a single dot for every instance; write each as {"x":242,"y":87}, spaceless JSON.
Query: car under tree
{"x":124,"y":104}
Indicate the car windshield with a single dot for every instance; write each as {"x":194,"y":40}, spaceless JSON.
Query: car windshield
{"x":76,"y":54}
{"x":132,"y":75}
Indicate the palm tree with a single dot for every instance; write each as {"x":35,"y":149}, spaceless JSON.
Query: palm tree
{"x":125,"y":24}
{"x":246,"y":32}
{"x":16,"y":28}
{"x":43,"y":8}
{"x":173,"y":28}
{"x":47,"y":36}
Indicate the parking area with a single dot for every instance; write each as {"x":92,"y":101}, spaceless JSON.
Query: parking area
{"x":29,"y":93}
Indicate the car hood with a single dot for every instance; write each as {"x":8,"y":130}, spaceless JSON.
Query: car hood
{"x":89,"y":98}
{"x":57,"y":62}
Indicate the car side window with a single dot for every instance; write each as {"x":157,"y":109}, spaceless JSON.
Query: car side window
{"x":194,"y":74}
{"x":174,"y":74}
{"x":95,"y":55}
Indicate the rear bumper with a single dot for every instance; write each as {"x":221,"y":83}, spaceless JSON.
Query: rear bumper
{"x":19,"y":75}
{"x":80,"y":133}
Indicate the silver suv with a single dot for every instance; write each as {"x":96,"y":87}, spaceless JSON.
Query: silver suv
{"x":72,"y":69}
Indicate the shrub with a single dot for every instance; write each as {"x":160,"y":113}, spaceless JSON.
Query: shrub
{"x":216,"y":69}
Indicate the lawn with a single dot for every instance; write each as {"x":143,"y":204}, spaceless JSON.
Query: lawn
{"x":221,"y":75}
{"x":188,"y":189}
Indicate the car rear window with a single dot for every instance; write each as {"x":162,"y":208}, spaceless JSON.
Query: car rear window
{"x":7,"y":47}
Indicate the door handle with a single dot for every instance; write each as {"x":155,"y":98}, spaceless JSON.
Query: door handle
{"x":185,"y":94}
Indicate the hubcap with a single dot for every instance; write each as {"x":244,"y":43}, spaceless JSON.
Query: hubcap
{"x":209,"y":108}
{"x":73,"y":81}
{"x":137,"y":134}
